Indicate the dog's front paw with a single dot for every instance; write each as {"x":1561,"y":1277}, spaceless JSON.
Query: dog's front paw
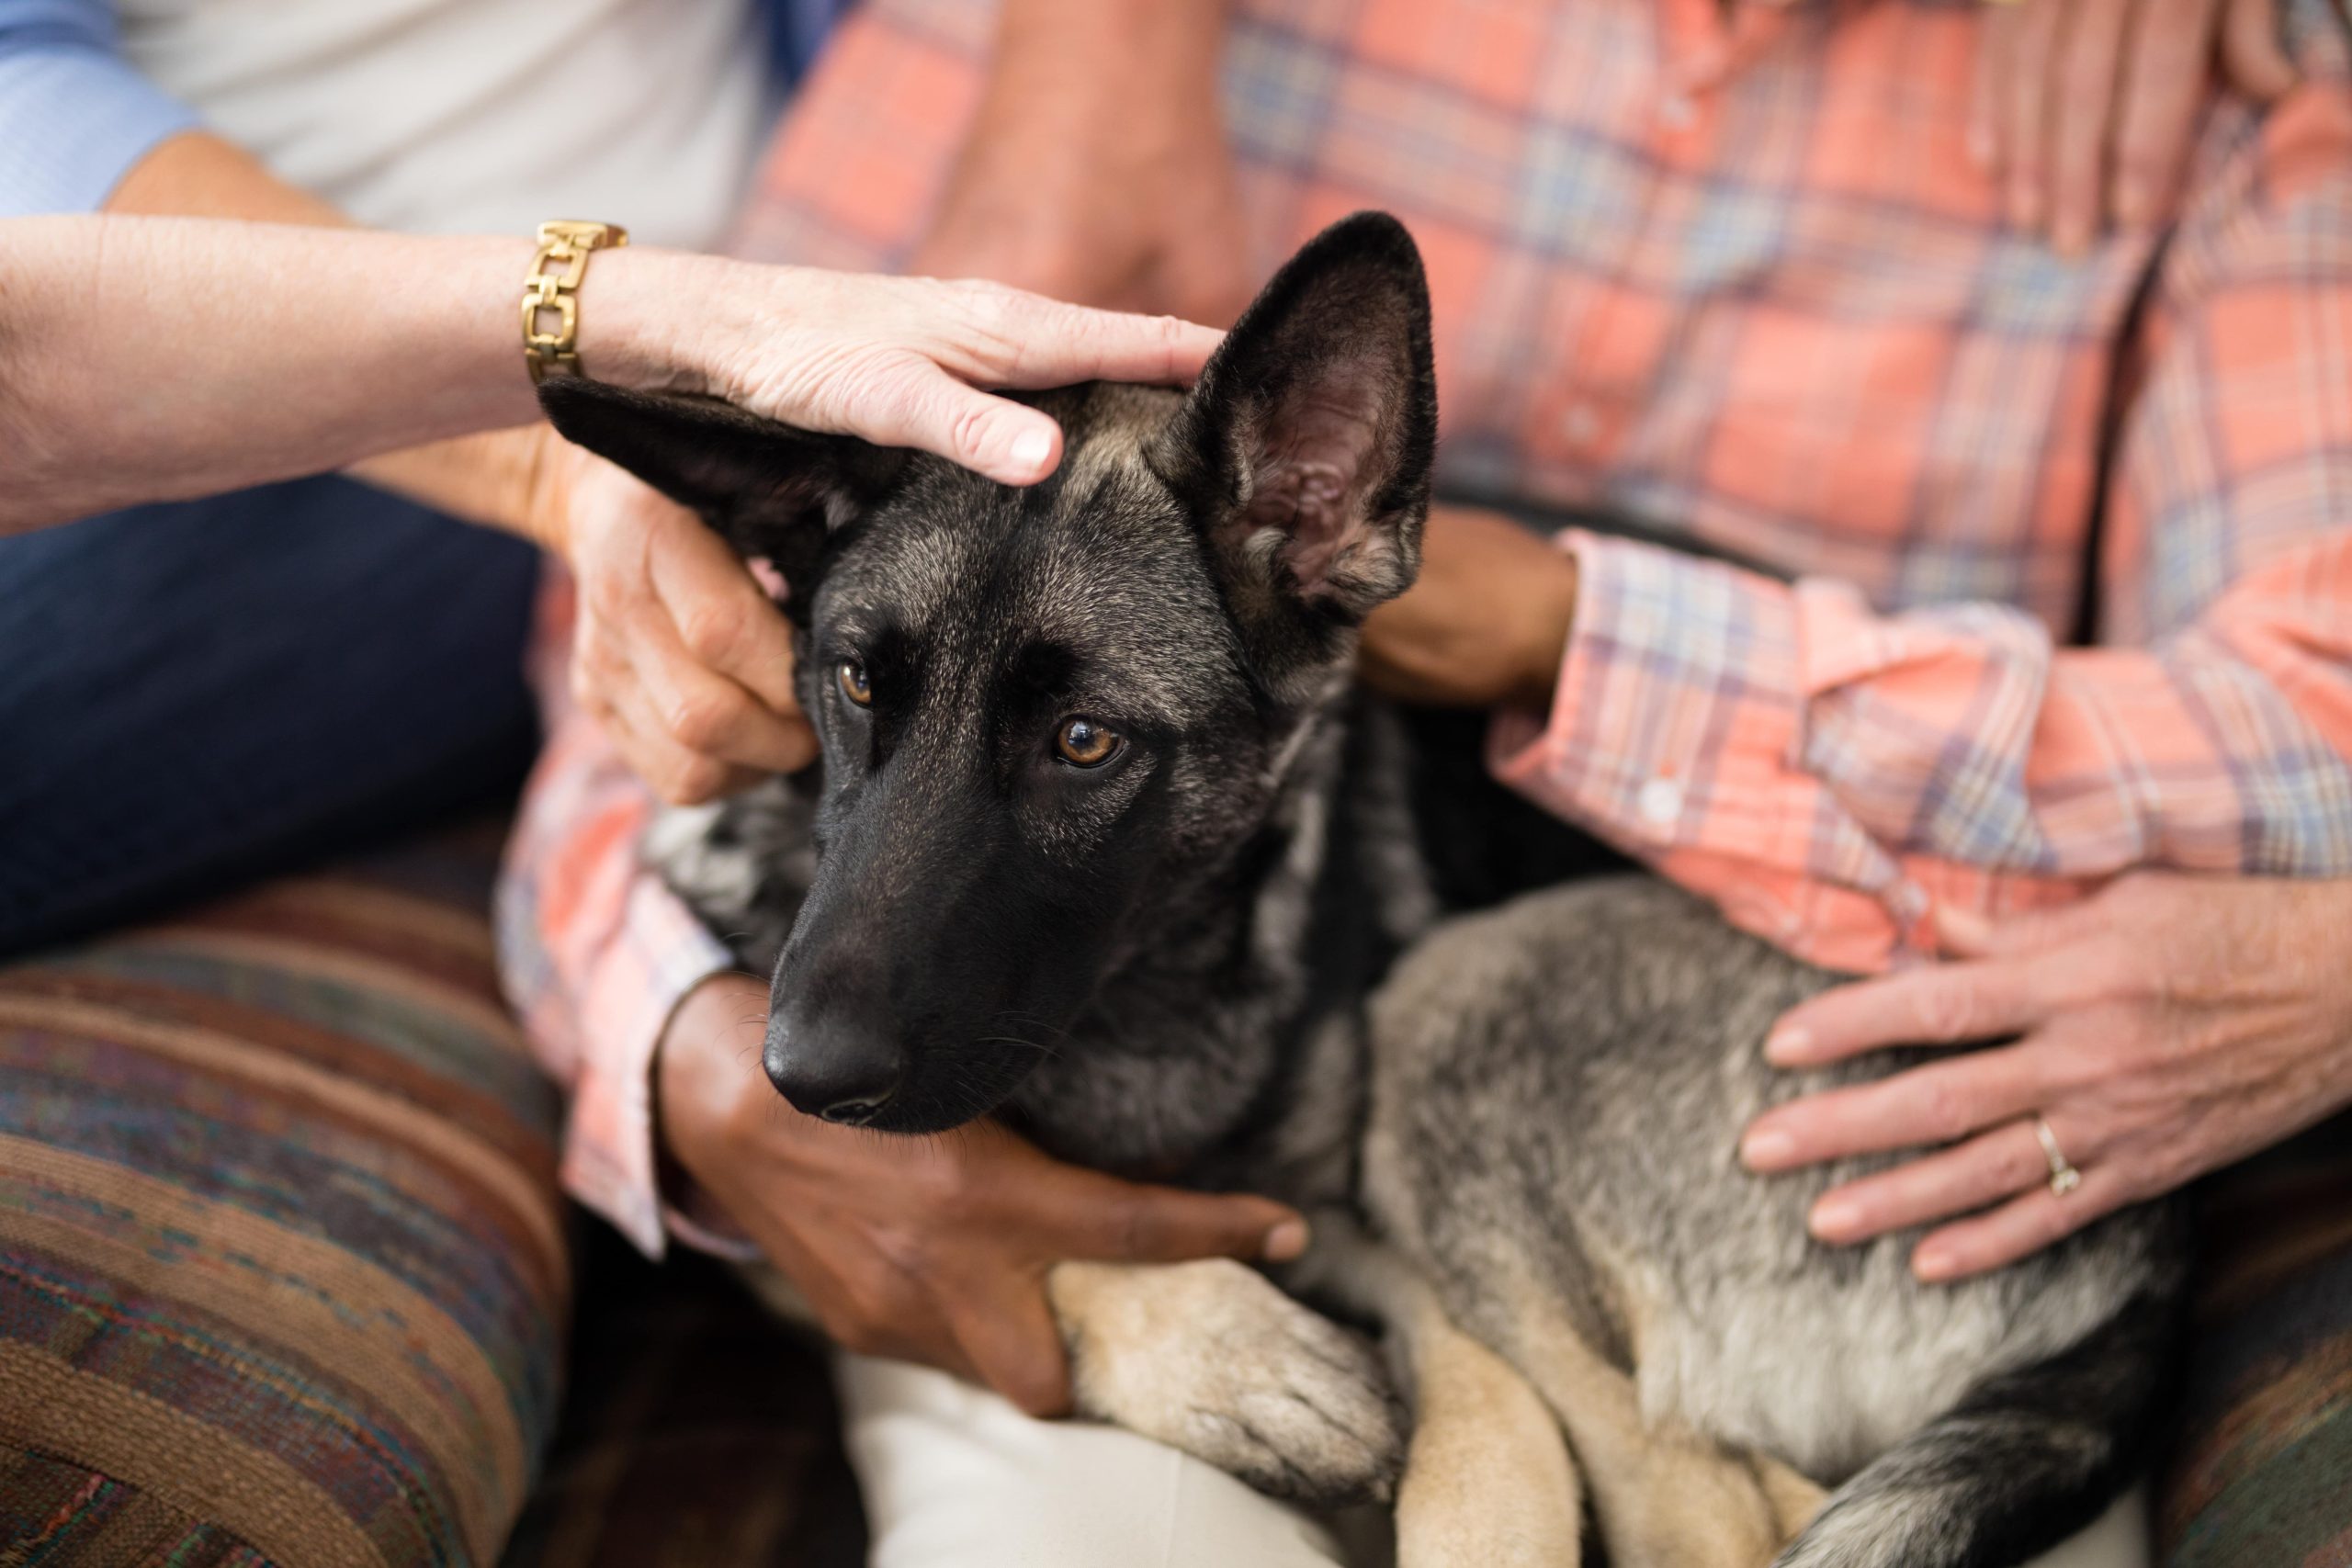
{"x":1210,"y":1358}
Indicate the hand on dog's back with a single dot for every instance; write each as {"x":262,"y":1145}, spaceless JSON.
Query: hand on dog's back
{"x":933,"y":1250}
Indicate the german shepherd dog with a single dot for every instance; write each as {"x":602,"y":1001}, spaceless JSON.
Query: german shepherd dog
{"x":1105,"y":842}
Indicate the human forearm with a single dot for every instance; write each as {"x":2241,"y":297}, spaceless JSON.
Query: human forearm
{"x":1821,"y":769}
{"x":491,"y":478}
{"x":149,"y":359}
{"x":1095,"y":168}
{"x":1113,"y":46}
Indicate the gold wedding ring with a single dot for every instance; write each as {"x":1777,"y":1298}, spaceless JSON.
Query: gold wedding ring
{"x":2064,"y":1177}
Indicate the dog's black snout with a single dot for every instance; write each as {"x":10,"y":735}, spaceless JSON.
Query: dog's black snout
{"x":839,"y":1078}
{"x":854,"y":1112}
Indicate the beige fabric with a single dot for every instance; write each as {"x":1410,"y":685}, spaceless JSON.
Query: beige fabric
{"x":954,"y":1477}
{"x":478,"y":115}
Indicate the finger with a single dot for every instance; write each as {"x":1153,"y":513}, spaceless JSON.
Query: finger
{"x":1008,"y":1335}
{"x":680,"y":776}
{"x":1929,"y":1105}
{"x":2023,"y":933}
{"x":1936,"y":1004}
{"x":1103,"y":1218}
{"x":1054,"y":344}
{"x":2084,"y":82}
{"x":723,"y":617}
{"x":2018,"y":1228}
{"x":706,"y":714}
{"x":1997,"y":1164}
{"x":1996,"y":36}
{"x":2025,"y":157}
{"x":924,"y":406}
{"x":2164,"y":77}
{"x":2254,"y":54}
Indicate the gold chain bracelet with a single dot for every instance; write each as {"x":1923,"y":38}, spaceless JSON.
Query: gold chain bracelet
{"x":565,"y":244}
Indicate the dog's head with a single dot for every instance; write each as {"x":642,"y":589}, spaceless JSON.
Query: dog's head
{"x":1046,"y":713}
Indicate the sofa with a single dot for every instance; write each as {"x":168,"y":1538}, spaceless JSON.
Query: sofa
{"x":286,"y":1277}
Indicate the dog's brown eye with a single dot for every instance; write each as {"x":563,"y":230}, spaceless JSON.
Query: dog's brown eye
{"x":1085,"y":744}
{"x":850,"y":675}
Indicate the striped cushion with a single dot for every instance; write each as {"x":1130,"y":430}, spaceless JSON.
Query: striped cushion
{"x":2262,"y":1477}
{"x":282,"y":1261}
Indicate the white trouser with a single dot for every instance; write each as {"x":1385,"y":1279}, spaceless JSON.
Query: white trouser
{"x":955,"y":1477}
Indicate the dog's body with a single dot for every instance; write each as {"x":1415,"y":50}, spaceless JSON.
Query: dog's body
{"x":1160,"y":962}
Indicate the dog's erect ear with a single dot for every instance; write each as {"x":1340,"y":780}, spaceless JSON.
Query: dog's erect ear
{"x":1306,"y":447}
{"x":771,"y":490}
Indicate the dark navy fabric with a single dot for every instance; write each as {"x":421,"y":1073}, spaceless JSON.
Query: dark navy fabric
{"x":197,"y":693}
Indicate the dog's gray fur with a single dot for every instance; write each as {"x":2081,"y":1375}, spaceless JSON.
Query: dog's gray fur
{"x":1539,"y":1119}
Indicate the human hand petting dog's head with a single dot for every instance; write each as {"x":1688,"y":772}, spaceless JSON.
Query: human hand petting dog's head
{"x":678,"y":651}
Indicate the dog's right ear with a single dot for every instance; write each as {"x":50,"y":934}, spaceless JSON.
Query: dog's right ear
{"x":1304,"y":448}
{"x":772,"y":491}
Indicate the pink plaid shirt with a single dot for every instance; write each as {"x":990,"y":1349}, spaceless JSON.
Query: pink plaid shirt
{"x":1730,"y":274}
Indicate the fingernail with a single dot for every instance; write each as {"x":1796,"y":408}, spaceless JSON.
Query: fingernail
{"x":1834,"y":1219}
{"x":2025,"y":210}
{"x":2072,"y":237}
{"x":1788,"y":1045}
{"x":1934,"y":1265}
{"x":1766,"y":1149}
{"x":1285,"y":1242}
{"x":1030,"y":451}
{"x":1980,"y":146}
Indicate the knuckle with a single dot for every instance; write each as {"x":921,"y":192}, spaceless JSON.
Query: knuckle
{"x":1942,"y":1112}
{"x":968,"y":430}
{"x":712,"y":633}
{"x":879,"y":1310}
{"x":692,"y":781}
{"x":699,"y":721}
{"x":1947,"y":1012}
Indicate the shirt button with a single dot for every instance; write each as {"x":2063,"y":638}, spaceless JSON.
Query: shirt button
{"x":1580,"y":424}
{"x":1660,"y":803}
{"x":1677,"y":112}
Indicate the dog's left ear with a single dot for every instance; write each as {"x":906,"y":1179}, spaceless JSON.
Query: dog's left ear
{"x":1306,"y":447}
{"x":770,"y":490}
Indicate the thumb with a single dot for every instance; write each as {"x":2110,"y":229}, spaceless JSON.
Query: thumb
{"x":1123,"y":1221}
{"x":1008,"y":442}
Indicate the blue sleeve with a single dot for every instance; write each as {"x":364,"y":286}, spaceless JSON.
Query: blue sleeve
{"x":73,"y":115}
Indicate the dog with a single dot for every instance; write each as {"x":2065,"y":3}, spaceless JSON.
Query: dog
{"x":1106,"y":841}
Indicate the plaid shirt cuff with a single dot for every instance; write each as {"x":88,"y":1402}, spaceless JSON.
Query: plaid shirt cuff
{"x":609,"y":1159}
{"x":1678,"y":699}
{"x":1677,"y":734}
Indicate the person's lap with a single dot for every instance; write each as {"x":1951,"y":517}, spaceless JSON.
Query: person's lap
{"x":195,"y":693}
{"x":952,"y":1474}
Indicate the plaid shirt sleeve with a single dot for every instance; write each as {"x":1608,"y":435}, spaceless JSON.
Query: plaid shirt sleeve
{"x":595,"y":953}
{"x":1826,"y":772}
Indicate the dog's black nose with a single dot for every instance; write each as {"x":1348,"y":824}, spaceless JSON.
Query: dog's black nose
{"x":825,"y":1074}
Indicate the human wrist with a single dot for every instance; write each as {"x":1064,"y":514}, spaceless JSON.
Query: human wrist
{"x":645,"y":316}
{"x":1549,"y":624}
{"x":693,"y":1100}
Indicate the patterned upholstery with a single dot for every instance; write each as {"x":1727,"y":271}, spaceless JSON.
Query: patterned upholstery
{"x":2261,"y":1474}
{"x":699,"y":1432}
{"x":283,"y":1275}
{"x":283,"y":1271}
